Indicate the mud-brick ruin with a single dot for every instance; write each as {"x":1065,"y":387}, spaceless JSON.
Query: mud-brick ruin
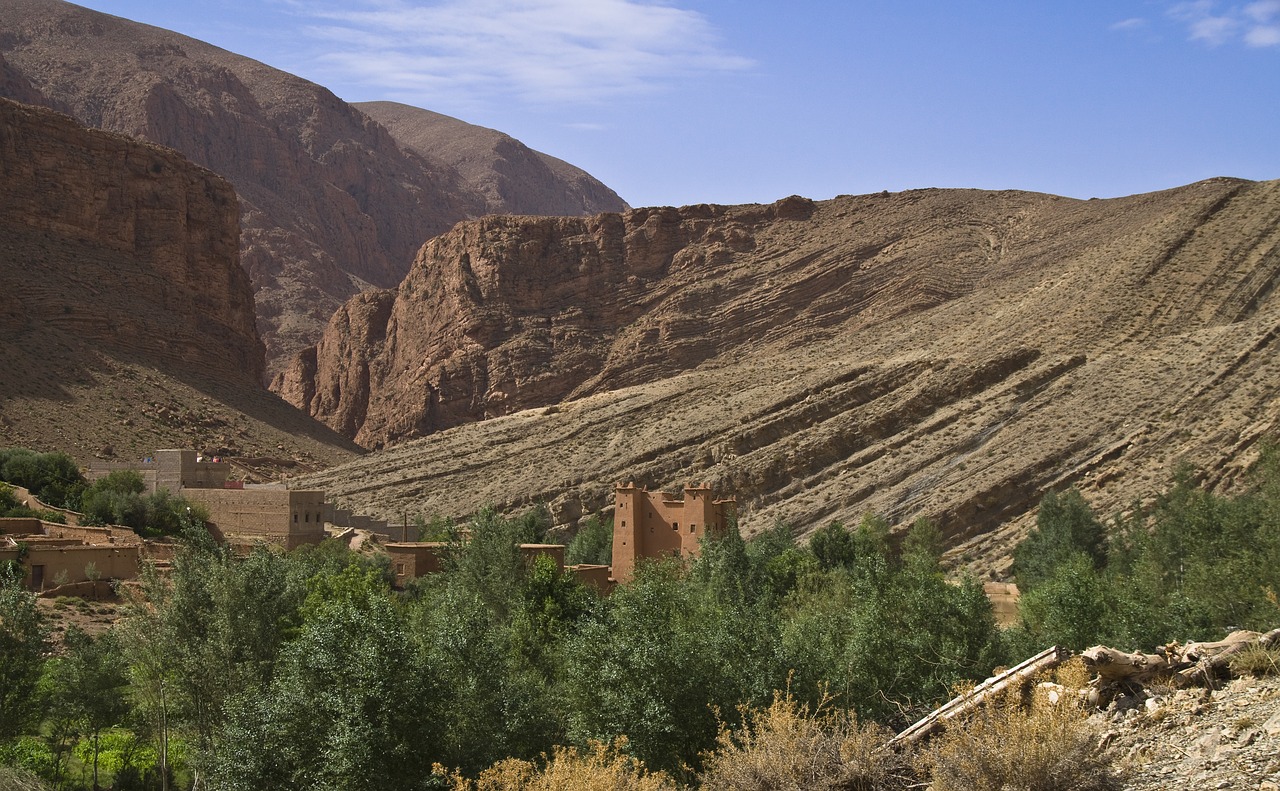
{"x":238,"y":513}
{"x":657,"y":524}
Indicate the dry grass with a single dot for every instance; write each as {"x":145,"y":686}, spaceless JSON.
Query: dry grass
{"x":1014,"y":743}
{"x":14,"y":779}
{"x":601,"y":767}
{"x":788,"y":746}
{"x":1256,"y":661}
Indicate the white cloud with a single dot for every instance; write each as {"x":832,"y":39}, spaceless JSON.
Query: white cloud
{"x":1252,"y":23}
{"x":1133,"y":23}
{"x":542,"y":51}
{"x":1263,"y":36}
{"x":1264,"y":11}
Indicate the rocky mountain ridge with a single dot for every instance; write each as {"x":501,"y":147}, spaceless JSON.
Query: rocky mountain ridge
{"x":126,"y":321}
{"x":330,"y":202}
{"x":942,"y":353}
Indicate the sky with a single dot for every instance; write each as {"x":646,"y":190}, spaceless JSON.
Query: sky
{"x":674,"y":102}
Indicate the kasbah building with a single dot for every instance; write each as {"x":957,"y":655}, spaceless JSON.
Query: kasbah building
{"x":646,"y":525}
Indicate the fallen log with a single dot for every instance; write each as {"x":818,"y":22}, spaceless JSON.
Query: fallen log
{"x":962,"y":704}
{"x":1111,"y":665}
{"x":1207,"y":660}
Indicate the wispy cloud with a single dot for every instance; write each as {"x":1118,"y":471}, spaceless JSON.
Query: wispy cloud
{"x":538,"y":51}
{"x":1133,"y":23}
{"x":1257,"y":24}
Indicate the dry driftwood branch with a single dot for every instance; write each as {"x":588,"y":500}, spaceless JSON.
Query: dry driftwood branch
{"x":1049,"y":658}
{"x":1112,"y":665}
{"x":1194,"y":663}
{"x":1208,"y":659}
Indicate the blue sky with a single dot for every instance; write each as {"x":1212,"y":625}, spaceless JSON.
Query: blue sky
{"x":673,"y":102}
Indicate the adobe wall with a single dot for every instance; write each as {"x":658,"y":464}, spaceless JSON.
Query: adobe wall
{"x":412,"y":559}
{"x":20,"y":526}
{"x":528,"y":552}
{"x":92,"y":535}
{"x":597,"y":577}
{"x":173,"y":469}
{"x":288,"y":517}
{"x":177,"y":469}
{"x":657,"y":524}
{"x":46,"y":561}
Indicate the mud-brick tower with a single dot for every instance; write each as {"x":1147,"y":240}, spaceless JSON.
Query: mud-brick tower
{"x":653,"y":524}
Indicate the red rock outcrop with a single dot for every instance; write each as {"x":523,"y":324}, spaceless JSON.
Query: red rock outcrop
{"x":330,"y":202}
{"x":504,"y":313}
{"x":121,"y":244}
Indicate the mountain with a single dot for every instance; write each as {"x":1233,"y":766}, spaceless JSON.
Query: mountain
{"x":943,"y":353}
{"x":513,"y":178}
{"x":126,"y":320}
{"x":330,"y":202}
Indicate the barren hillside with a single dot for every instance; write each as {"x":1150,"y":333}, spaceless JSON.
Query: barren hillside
{"x":330,"y":203}
{"x":943,"y":353}
{"x":513,"y":178}
{"x":126,"y":321}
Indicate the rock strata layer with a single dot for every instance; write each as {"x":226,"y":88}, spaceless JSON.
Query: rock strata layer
{"x":951,"y":354}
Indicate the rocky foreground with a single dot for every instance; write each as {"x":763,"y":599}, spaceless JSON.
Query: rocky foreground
{"x":1227,"y":737}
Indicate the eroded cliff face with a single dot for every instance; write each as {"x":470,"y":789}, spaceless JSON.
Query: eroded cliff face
{"x":504,"y":313}
{"x":121,"y":244}
{"x":126,"y":320}
{"x":331,"y":203}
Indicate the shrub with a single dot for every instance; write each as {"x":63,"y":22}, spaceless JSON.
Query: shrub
{"x":1011,"y":743}
{"x":601,"y":767}
{"x":789,"y":745}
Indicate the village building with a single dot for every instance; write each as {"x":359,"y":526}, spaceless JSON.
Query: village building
{"x":238,"y":512}
{"x":55,"y":555}
{"x":657,"y":524}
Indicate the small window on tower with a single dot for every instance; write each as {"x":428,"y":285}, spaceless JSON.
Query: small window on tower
{"x":692,"y":528}
{"x":675,"y":525}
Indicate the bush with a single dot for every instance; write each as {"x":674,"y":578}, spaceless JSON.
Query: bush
{"x":1011,"y":743}
{"x":788,"y":745}
{"x":599,"y":767}
{"x":1257,"y":661}
{"x":53,"y":477}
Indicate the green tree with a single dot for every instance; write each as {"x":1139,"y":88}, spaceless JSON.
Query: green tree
{"x":87,"y":691}
{"x":350,"y":668}
{"x":22,"y":645}
{"x":1065,"y":525}
{"x":593,"y":543}
{"x":657,"y":664}
{"x":53,"y":477}
{"x":833,"y":547}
